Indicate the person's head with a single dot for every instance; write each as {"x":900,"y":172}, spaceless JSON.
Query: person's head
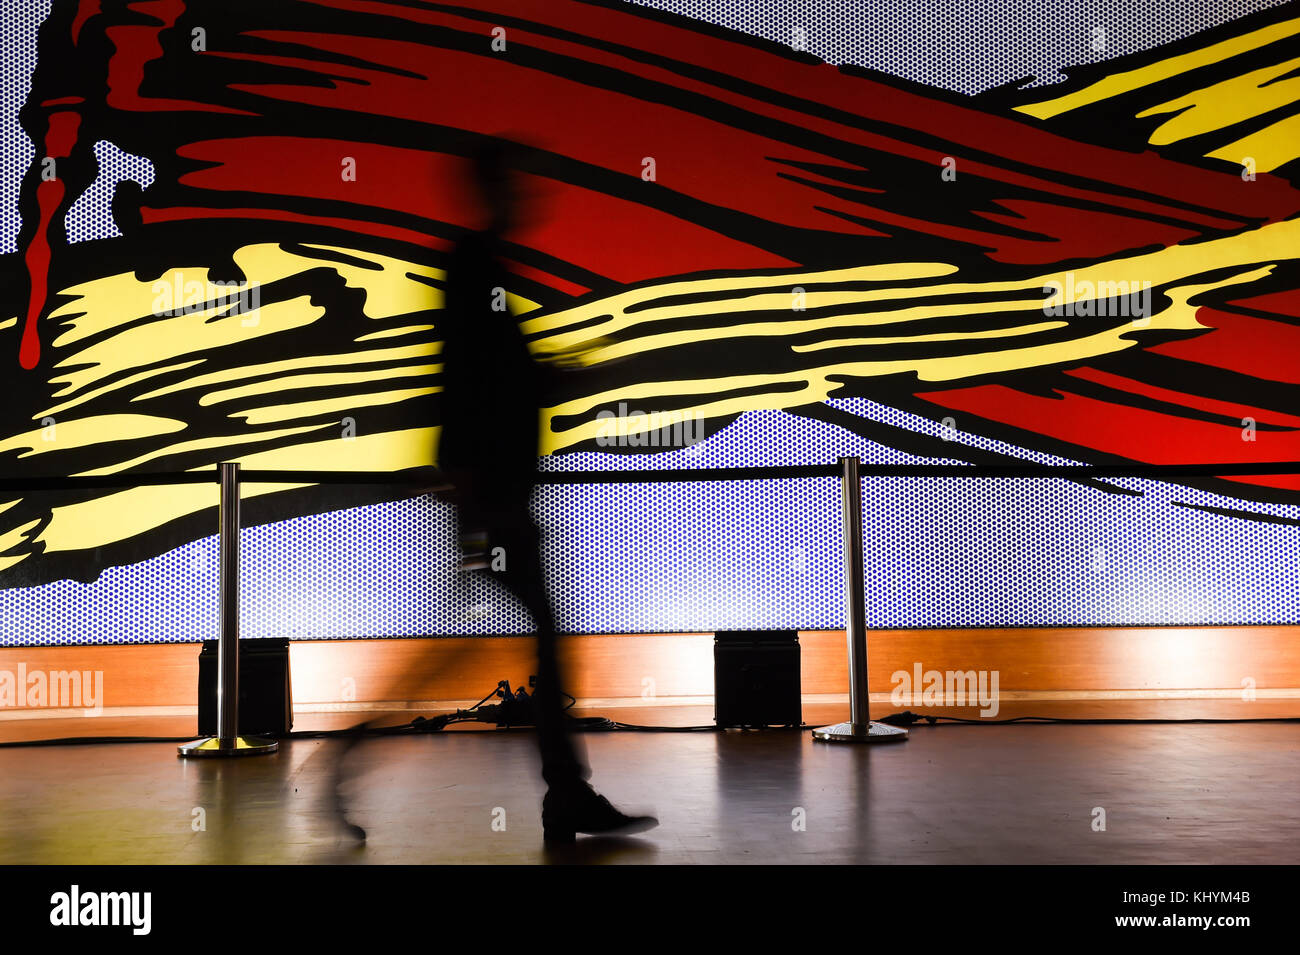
{"x":493,"y":185}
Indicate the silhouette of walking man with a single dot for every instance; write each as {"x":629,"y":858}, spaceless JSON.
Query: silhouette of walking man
{"x":492,"y":393}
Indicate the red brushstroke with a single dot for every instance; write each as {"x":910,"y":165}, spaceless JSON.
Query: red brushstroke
{"x":189,"y":213}
{"x":1279,"y":303}
{"x":1252,"y":346}
{"x":86,"y":10}
{"x":722,"y":161}
{"x":866,"y":103}
{"x":60,"y":139}
{"x":135,"y":47}
{"x":620,"y":239}
{"x":359,"y":228}
{"x":1117,"y":431}
{"x":609,"y":129}
{"x":1092,"y":232}
{"x":1231,"y":409}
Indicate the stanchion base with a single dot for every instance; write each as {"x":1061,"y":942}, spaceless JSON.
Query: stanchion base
{"x":857,"y":733}
{"x":239,"y":746}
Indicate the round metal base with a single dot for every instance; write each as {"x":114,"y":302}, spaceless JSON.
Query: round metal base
{"x":858,"y":733}
{"x":239,"y":746}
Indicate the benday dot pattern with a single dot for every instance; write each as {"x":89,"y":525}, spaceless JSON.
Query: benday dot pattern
{"x":967,"y":46}
{"x":940,"y":552}
{"x":699,"y":557}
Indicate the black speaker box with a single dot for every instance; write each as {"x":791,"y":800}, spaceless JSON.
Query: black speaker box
{"x":756,"y":678}
{"x":265,"y":691}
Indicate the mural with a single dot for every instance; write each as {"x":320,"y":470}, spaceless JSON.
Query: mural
{"x":1103,"y":270}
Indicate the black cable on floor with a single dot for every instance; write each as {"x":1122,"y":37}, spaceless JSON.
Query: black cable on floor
{"x":708,"y":727}
{"x":908,"y":718}
{"x":603,"y":724}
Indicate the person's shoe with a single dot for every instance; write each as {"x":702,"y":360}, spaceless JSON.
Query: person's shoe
{"x":569,"y":811}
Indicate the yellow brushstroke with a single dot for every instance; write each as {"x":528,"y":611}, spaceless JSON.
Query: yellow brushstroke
{"x":782,"y":325}
{"x":1274,"y":145}
{"x":85,"y":432}
{"x":388,"y":289}
{"x":518,"y":305}
{"x":818,"y":384}
{"x":1160,"y":267}
{"x":200,"y":444}
{"x":317,"y":380}
{"x":646,"y":313}
{"x":1224,"y":104}
{"x":178,"y":336}
{"x":104,"y":304}
{"x":124,"y":514}
{"x":380,"y":452}
{"x":1163,"y":268}
{"x":419,"y":350}
{"x":12,"y":538}
{"x":114,"y":386}
{"x":616,"y":313}
{"x":938,"y":337}
{"x":268,"y":414}
{"x":132,"y":305}
{"x":1118,"y":84}
{"x":394,"y":332}
{"x":128,"y":513}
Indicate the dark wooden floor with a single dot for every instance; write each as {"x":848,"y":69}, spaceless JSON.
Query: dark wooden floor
{"x":1188,"y":793}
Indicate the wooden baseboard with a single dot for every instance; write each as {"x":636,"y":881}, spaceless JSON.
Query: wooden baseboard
{"x":1031,"y":664}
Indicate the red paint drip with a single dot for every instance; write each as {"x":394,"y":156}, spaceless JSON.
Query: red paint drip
{"x":85,"y":11}
{"x":60,"y":138}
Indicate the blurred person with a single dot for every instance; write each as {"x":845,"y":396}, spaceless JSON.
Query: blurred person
{"x":493,"y":392}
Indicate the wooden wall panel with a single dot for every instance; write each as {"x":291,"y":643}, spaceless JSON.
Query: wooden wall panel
{"x":1135,"y":658}
{"x":1032,"y":663}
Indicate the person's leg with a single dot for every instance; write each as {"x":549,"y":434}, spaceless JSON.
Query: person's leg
{"x":571,"y":805}
{"x":561,"y":763}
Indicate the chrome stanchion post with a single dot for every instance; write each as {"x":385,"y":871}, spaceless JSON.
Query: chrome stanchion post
{"x":859,"y":728}
{"x":228,"y":742}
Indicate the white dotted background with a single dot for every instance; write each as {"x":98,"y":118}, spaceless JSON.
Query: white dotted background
{"x":700,"y":557}
{"x":91,"y":216}
{"x":967,"y":46}
{"x":963,"y":45}
{"x":940,"y":552}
